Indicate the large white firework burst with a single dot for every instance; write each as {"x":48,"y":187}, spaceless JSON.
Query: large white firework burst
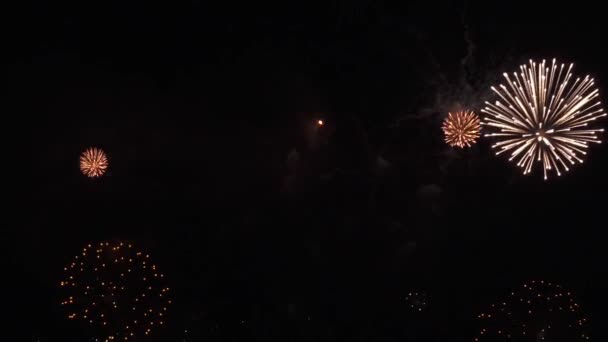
{"x":542,"y":116}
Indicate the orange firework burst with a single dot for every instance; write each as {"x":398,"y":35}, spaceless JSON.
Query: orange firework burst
{"x":93,"y":162}
{"x":116,"y":291}
{"x":536,"y":311}
{"x":461,"y":129}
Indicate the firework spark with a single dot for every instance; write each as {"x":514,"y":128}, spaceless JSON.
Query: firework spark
{"x":116,"y":290}
{"x":461,"y":129}
{"x":416,"y":301}
{"x":543,"y":115}
{"x":536,"y":311}
{"x":93,"y":162}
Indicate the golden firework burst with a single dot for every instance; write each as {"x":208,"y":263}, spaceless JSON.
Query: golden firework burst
{"x":542,"y":115}
{"x":115,"y":290}
{"x":536,"y":311}
{"x":93,"y":162}
{"x":461,"y":129}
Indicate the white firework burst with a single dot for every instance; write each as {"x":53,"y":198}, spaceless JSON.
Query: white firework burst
{"x":542,"y":117}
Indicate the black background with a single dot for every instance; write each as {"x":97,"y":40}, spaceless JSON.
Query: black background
{"x":267,"y":226}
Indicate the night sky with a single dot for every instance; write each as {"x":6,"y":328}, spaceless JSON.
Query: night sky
{"x":267,"y":225}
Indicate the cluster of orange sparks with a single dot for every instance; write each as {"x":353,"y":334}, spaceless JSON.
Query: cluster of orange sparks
{"x":116,"y":290}
{"x":534,"y":312}
{"x":461,"y":129}
{"x":93,"y":162}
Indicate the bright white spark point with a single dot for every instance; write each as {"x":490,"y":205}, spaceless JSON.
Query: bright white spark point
{"x":542,"y":116}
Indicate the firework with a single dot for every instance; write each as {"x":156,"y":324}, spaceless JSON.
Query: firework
{"x":416,"y":301}
{"x":536,"y":311}
{"x":461,"y":129}
{"x":116,"y":290}
{"x":542,"y":117}
{"x":93,"y":162}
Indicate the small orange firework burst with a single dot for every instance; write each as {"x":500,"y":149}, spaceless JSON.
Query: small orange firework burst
{"x":536,"y":311}
{"x":461,"y":129}
{"x":93,"y":162}
{"x":115,"y":290}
